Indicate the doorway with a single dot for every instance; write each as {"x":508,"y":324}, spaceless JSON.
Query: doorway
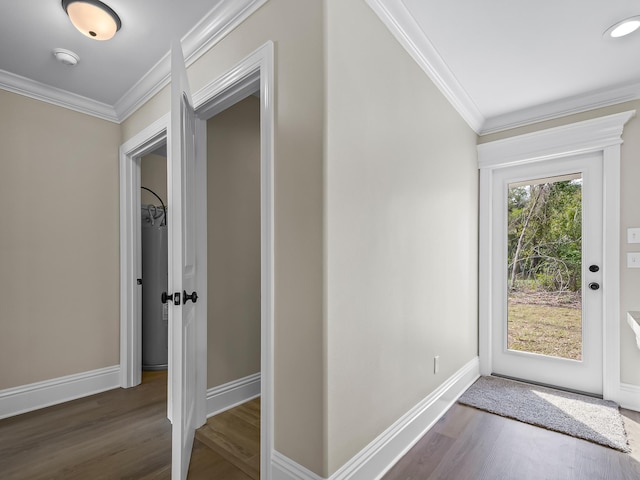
{"x":154,"y":259}
{"x":254,"y":73}
{"x":233,"y":237}
{"x":547,"y":327}
{"x":600,"y":137}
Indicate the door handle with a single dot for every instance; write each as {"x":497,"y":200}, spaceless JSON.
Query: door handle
{"x":193,"y":297}
{"x":594,"y":286}
{"x":175,"y":297}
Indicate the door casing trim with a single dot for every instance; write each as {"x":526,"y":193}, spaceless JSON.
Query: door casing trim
{"x":603,"y":135}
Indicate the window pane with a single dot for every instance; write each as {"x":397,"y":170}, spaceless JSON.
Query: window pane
{"x":544,"y":266}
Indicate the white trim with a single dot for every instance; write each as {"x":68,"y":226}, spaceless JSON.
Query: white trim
{"x":202,"y":277}
{"x":576,"y":138}
{"x":56,"y":96}
{"x":283,"y":468}
{"x":130,"y":259}
{"x":561,"y":108}
{"x":382,"y":453}
{"x":25,"y":398}
{"x":240,"y":85}
{"x":405,"y":29}
{"x":216,"y":25}
{"x":144,"y":89}
{"x":265,"y":57}
{"x":373,"y":461}
{"x":629,"y":396}
{"x":485,"y":286}
{"x":232,"y":394}
{"x":598,"y":135}
{"x":611,"y":268}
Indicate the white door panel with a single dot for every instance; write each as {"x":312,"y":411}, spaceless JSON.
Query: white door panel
{"x":182,"y":274}
{"x":583,"y":373}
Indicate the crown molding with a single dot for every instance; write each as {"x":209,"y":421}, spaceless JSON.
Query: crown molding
{"x":562,"y":108}
{"x":406,"y":30}
{"x":573,"y":139}
{"x":216,"y":25}
{"x":144,"y":89}
{"x":56,"y":96}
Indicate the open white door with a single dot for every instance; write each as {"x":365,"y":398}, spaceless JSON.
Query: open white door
{"x":182,"y":267}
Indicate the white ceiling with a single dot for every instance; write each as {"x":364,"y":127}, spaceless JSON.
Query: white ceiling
{"x":501,"y":63}
{"x":112,"y":76}
{"x":511,"y":62}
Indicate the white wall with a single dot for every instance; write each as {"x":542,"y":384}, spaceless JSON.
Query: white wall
{"x":401,"y":232}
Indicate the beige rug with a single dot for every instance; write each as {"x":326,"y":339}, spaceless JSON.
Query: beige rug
{"x":589,"y":418}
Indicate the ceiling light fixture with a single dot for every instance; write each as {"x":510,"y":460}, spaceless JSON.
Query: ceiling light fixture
{"x":623,"y":27}
{"x":92,"y":18}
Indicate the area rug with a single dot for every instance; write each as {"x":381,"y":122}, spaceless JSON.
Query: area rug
{"x":589,"y":418}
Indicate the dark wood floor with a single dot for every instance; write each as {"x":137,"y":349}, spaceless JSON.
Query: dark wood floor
{"x":469,"y":444}
{"x":124,"y":434}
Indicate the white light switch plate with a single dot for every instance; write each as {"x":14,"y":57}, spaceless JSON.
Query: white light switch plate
{"x":633,"y":260}
{"x":633,"y":235}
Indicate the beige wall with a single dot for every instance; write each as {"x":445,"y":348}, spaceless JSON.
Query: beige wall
{"x":58,"y":242}
{"x":629,"y":217}
{"x":375,"y":236}
{"x":233,"y":235}
{"x":296,"y":28}
{"x":401,"y":230}
{"x":153,"y":175}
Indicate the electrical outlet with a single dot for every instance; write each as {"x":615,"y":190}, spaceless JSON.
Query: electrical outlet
{"x":436,"y":364}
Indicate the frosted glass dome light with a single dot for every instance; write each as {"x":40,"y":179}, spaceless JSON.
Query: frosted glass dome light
{"x":92,"y":18}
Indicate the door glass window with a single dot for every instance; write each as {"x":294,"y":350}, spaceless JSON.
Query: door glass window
{"x":544,"y":266}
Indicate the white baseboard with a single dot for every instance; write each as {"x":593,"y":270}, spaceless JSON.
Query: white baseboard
{"x":25,"y":398}
{"x":629,"y":396}
{"x":382,"y":453}
{"x":283,"y":468}
{"x":231,"y":394}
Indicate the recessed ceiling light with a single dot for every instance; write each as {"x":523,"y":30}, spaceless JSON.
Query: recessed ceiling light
{"x":66,"y":57}
{"x":92,"y":18}
{"x":623,"y":27}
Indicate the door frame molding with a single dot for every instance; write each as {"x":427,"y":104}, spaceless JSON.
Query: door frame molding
{"x":603,"y":135}
{"x":254,"y":72}
{"x":130,"y":155}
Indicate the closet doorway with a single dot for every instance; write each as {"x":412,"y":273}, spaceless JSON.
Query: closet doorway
{"x":154,"y":259}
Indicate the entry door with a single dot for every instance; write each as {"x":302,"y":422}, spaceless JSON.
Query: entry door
{"x":547,"y":271}
{"x":182,"y":276}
